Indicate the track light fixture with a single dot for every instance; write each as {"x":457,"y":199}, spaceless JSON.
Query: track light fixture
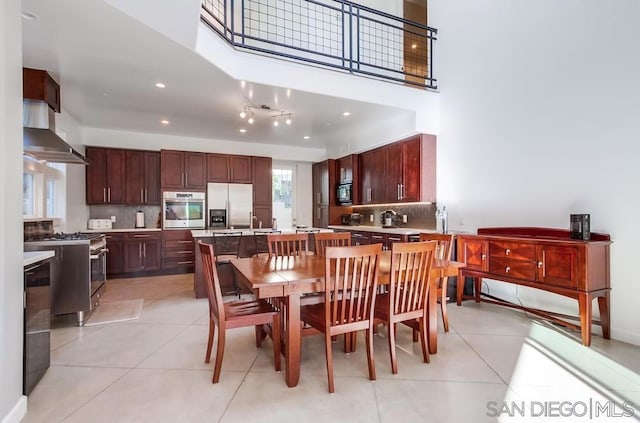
{"x":248,"y":111}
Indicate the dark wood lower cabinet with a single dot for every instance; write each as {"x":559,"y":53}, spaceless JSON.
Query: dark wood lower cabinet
{"x":115,"y":255}
{"x":142,"y":251}
{"x":544,"y":259}
{"x":178,"y":251}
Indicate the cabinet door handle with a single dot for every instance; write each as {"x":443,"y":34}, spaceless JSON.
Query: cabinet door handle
{"x":144,"y":249}
{"x":370,"y":194}
{"x":145,"y":195}
{"x":140,"y":250}
{"x":402,"y":192}
{"x":185,"y":262}
{"x":184,"y":242}
{"x":104,"y":195}
{"x":142,"y":236}
{"x":508,"y":269}
{"x":109,"y":194}
{"x":507,"y":251}
{"x":186,"y":179}
{"x":398,"y":191}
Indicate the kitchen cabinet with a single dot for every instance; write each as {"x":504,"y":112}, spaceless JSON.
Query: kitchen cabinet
{"x":143,"y":177}
{"x":142,"y":251}
{"x":105,"y":176}
{"x":229,"y":168}
{"x":262,"y":178}
{"x":349,"y":171}
{"x":40,"y":86}
{"x":543,"y":259}
{"x":400,"y":172}
{"x":183,"y":170}
{"x":178,"y":251}
{"x":115,"y":255}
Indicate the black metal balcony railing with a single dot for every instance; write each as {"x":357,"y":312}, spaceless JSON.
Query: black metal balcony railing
{"x":335,"y":33}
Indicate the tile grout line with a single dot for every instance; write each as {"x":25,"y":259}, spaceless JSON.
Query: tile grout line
{"x":238,"y":388}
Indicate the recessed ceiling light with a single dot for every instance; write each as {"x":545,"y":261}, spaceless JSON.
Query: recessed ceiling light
{"x":28,"y":16}
{"x":306,"y":137}
{"x":346,"y":114}
{"x":243,"y":130}
{"x":164,"y":122}
{"x":160,"y":85}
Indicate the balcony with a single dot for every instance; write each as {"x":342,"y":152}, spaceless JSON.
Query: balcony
{"x":337,"y":34}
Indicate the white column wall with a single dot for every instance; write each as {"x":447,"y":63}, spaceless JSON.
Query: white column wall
{"x":12,"y":403}
{"x":539,"y":118}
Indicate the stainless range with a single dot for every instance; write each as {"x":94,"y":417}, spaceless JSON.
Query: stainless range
{"x":78,"y":270}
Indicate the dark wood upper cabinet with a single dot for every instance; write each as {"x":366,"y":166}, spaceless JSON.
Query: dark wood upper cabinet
{"x":143,"y":177}
{"x":183,"y":170}
{"x":39,"y":85}
{"x":262,"y":191}
{"x":404,"y":171}
{"x":229,"y":168}
{"x":105,"y":176}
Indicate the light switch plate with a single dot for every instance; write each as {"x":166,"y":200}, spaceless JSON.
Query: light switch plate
{"x":113,"y":219}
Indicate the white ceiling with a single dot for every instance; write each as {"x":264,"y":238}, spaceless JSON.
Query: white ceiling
{"x":107,"y":64}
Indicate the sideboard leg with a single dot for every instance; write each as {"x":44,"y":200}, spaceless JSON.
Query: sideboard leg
{"x":584,"y":307}
{"x":459,"y":286}
{"x":477,"y":286}
{"x":603,"y":306}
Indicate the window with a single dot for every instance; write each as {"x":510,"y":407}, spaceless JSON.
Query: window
{"x":50,"y":203}
{"x":283,"y":196}
{"x":28,"y":195}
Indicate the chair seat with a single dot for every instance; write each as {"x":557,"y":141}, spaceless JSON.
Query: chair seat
{"x":314,"y":315}
{"x":239,"y":309}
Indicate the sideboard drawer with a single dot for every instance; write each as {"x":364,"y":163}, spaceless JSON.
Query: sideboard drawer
{"x":512,"y":250}
{"x":512,"y":268}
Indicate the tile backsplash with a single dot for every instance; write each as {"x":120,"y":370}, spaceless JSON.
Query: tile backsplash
{"x":421,"y":216}
{"x":126,"y":215}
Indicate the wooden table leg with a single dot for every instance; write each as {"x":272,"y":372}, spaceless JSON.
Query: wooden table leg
{"x":432,"y":321}
{"x":603,"y":306}
{"x":292,"y":359}
{"x":459,"y":287}
{"x":584,"y":307}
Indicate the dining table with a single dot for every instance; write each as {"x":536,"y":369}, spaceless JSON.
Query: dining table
{"x":290,"y":277}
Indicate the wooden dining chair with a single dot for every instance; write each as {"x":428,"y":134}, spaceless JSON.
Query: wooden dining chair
{"x":443,"y":252}
{"x":351,"y":278}
{"x":227,"y":246}
{"x":406,"y":300}
{"x":331,"y":239}
{"x":229,"y":315}
{"x":281,"y":245}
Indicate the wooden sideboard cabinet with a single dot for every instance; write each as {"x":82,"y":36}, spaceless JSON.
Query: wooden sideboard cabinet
{"x":545,"y":259}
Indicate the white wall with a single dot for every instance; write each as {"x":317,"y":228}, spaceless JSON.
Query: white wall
{"x":12,"y":403}
{"x":539,"y":118}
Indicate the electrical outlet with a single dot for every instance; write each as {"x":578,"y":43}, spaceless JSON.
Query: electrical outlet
{"x":404,"y":218}
{"x":371,"y":218}
{"x":113,"y":219}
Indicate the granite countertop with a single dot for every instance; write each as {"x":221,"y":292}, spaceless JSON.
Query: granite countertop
{"x":31,"y":257}
{"x":122,"y":230}
{"x":205,"y":233}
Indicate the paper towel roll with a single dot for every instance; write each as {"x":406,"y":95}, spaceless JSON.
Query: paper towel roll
{"x":139,"y":219}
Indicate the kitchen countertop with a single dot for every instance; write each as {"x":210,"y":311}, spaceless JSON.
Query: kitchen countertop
{"x":380,"y":229}
{"x":31,"y":257}
{"x":122,"y":230}
{"x":204,"y":233}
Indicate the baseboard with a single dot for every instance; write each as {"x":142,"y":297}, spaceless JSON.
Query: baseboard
{"x":17,"y":412}
{"x":625,"y":336}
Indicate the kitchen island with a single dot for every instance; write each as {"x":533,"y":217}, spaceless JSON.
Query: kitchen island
{"x":252,"y":241}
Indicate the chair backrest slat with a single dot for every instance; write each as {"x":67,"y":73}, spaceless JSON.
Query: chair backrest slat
{"x":214,"y":292}
{"x":410,"y":272}
{"x":444,"y":247}
{"x":351,"y":278}
{"x":288,"y":244}
{"x":331,"y":239}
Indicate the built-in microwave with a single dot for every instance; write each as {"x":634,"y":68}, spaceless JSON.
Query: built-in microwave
{"x":345,"y":194}
{"x":183,"y":210}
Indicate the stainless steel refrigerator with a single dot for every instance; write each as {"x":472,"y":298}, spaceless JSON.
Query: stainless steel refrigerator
{"x":236,"y":199}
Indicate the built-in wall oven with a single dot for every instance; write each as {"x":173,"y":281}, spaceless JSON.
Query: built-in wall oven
{"x":183,"y":210}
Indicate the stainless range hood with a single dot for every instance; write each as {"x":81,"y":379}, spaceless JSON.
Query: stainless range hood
{"x":40,"y":139}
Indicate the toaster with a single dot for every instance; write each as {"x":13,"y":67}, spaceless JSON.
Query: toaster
{"x":99,"y":224}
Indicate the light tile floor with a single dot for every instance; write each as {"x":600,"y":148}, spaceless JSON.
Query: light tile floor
{"x":495,"y":364}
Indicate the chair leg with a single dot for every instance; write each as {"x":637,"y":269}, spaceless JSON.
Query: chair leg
{"x":392,"y":348}
{"x":327,"y":346}
{"x":219,"y":356}
{"x":260,"y":335}
{"x":275,"y":337}
{"x":415,"y":335}
{"x":443,"y":305}
{"x":424,"y":340}
{"x":370,"y":359}
{"x":212,"y":332}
